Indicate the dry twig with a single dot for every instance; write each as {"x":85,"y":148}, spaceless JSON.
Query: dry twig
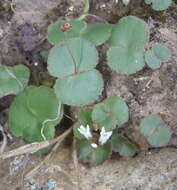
{"x":75,"y":160}
{"x":34,"y":170}
{"x":4,"y":142}
{"x":34,"y":147}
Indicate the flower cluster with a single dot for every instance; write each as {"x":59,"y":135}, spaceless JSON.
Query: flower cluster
{"x":104,"y":136}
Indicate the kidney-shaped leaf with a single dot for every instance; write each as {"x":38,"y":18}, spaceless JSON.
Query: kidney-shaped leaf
{"x":86,"y":153}
{"x":152,"y":61}
{"x":129,"y":36}
{"x":80,"y":89}
{"x":122,"y":145}
{"x":159,"y":5}
{"x":156,"y":55}
{"x":73,"y":63}
{"x":161,"y":52}
{"x":27,"y":117}
{"x":130,"y":32}
{"x":97,"y":33}
{"x":126,"y":60}
{"x":56,"y":35}
{"x":157,"y":133}
{"x":111,"y":112}
{"x":70,"y":57}
{"x":101,"y":154}
{"x":19,"y":115}
{"x":13,"y":79}
{"x":43,"y":103}
{"x":84,"y":149}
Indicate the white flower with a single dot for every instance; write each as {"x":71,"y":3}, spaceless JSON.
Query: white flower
{"x":104,"y":136}
{"x":94,"y":145}
{"x":126,"y":2}
{"x":85,"y":131}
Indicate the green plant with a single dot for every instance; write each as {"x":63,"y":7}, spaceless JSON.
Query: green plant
{"x":61,"y":30}
{"x":128,"y":38}
{"x":158,"y":54}
{"x":154,"y":129}
{"x":97,"y":140}
{"x":127,"y":54}
{"x":72,"y":61}
{"x":34,"y":114}
{"x":107,"y":113}
{"x":122,"y":145}
{"x":96,"y":131}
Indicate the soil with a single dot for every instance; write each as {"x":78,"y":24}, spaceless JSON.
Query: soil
{"x":23,"y":26}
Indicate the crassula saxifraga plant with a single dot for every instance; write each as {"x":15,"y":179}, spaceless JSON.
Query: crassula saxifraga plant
{"x":72,"y":60}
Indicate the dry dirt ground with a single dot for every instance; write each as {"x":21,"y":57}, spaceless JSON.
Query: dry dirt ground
{"x":23,"y":26}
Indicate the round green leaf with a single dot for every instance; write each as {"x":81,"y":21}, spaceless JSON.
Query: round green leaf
{"x":111,"y":112}
{"x":130,"y":32}
{"x":126,"y":60}
{"x":159,"y":5}
{"x":156,"y":55}
{"x":13,"y":79}
{"x":43,"y":103}
{"x":157,"y":133}
{"x":84,"y":150}
{"x":56,"y":35}
{"x":161,"y":52}
{"x":101,"y":154}
{"x":19,"y":114}
{"x":97,"y":33}
{"x":74,"y":61}
{"x":151,"y":59}
{"x":33,"y":134}
{"x":122,"y":145}
{"x":74,"y":56}
{"x":30,"y":118}
{"x":80,"y":89}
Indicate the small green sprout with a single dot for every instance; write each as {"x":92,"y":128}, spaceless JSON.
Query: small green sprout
{"x":155,"y":130}
{"x":158,"y":54}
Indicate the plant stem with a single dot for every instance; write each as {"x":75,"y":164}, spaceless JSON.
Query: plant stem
{"x":86,"y":13}
{"x":97,"y":17}
{"x":85,"y":10}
